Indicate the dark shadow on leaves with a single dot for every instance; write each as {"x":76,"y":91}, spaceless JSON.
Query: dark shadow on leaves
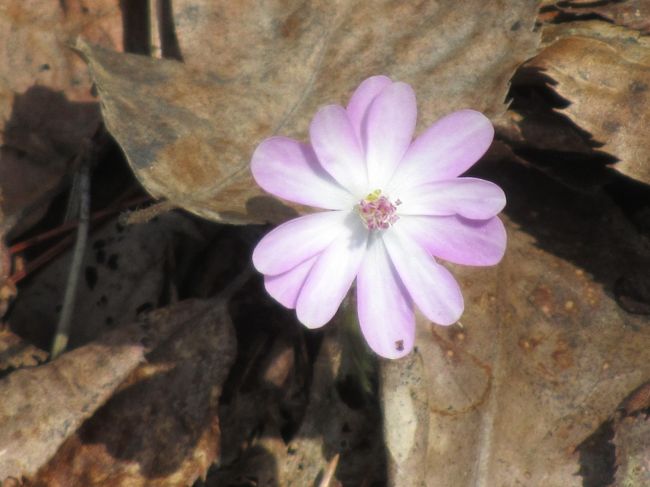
{"x":586,"y":229}
{"x":597,"y":457}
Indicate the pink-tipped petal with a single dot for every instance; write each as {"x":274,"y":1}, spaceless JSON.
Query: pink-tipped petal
{"x":339,"y":152}
{"x":445,"y":150}
{"x":297,"y":240}
{"x":384,"y":306}
{"x":285,"y":288}
{"x":432,"y":287}
{"x":457,"y":239}
{"x":468,"y":197}
{"x":290,"y":170}
{"x":331,"y":277}
{"x":362,"y":98}
{"x":388,"y":131}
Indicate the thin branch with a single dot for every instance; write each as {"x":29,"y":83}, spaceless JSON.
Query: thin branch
{"x":63,"y":326}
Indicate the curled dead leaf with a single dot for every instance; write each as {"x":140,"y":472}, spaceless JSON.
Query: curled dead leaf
{"x":42,"y":406}
{"x":161,"y":427}
{"x":188,"y":130}
{"x":603,"y":71}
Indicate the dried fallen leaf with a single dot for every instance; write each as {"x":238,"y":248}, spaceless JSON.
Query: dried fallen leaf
{"x":42,"y":406}
{"x":634,"y":14}
{"x":603,"y":71}
{"x":16,"y":353}
{"x":188,"y":131}
{"x":161,"y":428}
{"x":544,"y":356}
{"x":46,"y":104}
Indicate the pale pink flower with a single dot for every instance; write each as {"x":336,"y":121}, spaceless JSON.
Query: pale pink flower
{"x":394,"y":206}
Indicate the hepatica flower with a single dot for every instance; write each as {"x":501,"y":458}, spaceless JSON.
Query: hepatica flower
{"x":393,"y":206}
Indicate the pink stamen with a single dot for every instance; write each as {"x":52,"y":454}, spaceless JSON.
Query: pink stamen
{"x":377,"y":211}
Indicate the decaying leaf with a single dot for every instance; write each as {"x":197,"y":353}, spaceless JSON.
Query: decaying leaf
{"x":544,"y":354}
{"x":188,"y":130}
{"x":16,"y":353}
{"x":634,"y":14}
{"x":603,"y":71}
{"x":42,"y":406}
{"x":638,"y":400}
{"x":46,"y":104}
{"x":161,"y":427}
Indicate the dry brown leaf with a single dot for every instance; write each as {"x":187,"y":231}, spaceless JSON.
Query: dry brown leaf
{"x":17,"y":353}
{"x":545,"y":354}
{"x":603,"y":71}
{"x":42,"y":406}
{"x":634,"y":14}
{"x":46,"y":104}
{"x":632,"y":451}
{"x":638,"y":400}
{"x":189,"y":130}
{"x":161,"y":428}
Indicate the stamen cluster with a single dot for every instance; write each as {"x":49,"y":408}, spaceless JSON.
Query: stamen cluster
{"x":377,"y":211}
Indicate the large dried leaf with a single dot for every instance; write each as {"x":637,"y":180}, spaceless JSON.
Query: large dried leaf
{"x":161,"y":428}
{"x":46,"y":104}
{"x":545,"y":354}
{"x":189,"y":130}
{"x":603,"y":71}
{"x":42,"y":406}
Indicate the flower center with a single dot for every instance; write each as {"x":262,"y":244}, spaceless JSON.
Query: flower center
{"x":377,"y":212}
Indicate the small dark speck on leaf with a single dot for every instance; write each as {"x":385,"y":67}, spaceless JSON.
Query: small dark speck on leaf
{"x":44,"y":67}
{"x":91,"y":277}
{"x":112,"y":262}
{"x":611,"y":126}
{"x":515,"y":26}
{"x":637,"y":87}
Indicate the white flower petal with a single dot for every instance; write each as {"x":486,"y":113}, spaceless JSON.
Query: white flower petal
{"x":388,"y":132}
{"x":332,"y":275}
{"x":297,"y":240}
{"x":285,"y":288}
{"x":384,"y":306}
{"x":290,"y":170}
{"x":445,"y":150}
{"x":468,"y":197}
{"x":339,"y":152}
{"x":432,"y":287}
{"x":457,"y":239}
{"x":362,"y":98}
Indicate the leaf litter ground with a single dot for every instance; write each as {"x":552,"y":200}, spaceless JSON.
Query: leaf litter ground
{"x":181,"y":370}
